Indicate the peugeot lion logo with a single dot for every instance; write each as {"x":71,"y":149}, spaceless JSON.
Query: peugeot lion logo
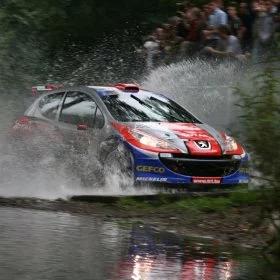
{"x":203,"y":144}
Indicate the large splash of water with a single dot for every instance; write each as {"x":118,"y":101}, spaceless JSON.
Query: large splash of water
{"x":203,"y":88}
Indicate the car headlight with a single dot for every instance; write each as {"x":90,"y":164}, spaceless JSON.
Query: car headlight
{"x":233,"y":148}
{"x":145,"y":141}
{"x":151,"y":141}
{"x":231,"y":144}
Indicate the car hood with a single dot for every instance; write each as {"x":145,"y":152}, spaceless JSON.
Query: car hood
{"x":185,"y":136}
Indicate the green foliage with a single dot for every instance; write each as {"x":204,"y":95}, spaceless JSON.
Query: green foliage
{"x":260,"y":120}
{"x":195,"y":204}
{"x":245,"y":198}
{"x":130,"y":203}
{"x":71,"y":21}
{"x":204,"y":204}
{"x":37,"y":34}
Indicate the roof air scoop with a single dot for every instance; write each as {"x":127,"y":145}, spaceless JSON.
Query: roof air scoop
{"x":127,"y":87}
{"x":43,"y":89}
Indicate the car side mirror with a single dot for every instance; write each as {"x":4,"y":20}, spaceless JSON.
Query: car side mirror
{"x":82,"y":127}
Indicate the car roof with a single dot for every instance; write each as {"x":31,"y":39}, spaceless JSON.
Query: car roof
{"x":100,"y":91}
{"x":103,"y":90}
{"x":107,"y":90}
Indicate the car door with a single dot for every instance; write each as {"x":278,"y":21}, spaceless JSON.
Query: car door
{"x":78,"y":123}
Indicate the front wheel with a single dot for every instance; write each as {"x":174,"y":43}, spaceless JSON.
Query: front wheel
{"x":118,"y":169}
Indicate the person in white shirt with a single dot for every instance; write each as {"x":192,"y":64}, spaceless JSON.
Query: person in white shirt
{"x":217,"y":17}
{"x":228,"y":47}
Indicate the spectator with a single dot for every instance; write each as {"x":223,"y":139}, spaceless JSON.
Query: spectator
{"x":179,"y":27}
{"x":206,"y":12}
{"x":234,"y":21}
{"x":169,"y":39}
{"x":152,"y":51}
{"x":251,"y":27}
{"x":217,"y":17}
{"x":220,"y":4}
{"x":271,"y":7}
{"x":263,"y":29}
{"x":195,"y":25}
{"x":246,"y":29}
{"x":229,"y":46}
{"x":276,"y":3}
{"x":154,"y":48}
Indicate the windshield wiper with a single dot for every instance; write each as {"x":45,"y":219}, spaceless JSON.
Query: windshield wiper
{"x":140,"y":101}
{"x":181,"y":112}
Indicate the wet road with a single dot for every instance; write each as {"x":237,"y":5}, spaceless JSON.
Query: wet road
{"x":48,"y":245}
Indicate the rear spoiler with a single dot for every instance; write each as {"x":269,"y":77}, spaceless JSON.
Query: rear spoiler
{"x":42,"y":89}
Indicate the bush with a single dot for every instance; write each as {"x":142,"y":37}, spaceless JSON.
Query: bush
{"x":260,"y":121}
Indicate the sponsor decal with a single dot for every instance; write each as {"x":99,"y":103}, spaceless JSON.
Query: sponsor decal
{"x":203,"y":144}
{"x":206,"y":180}
{"x":150,"y":169}
{"x":244,"y":181}
{"x":152,"y":179}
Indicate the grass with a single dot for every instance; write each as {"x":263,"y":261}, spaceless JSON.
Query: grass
{"x":193,"y":204}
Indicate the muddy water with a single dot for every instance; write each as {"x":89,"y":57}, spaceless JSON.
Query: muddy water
{"x":49,"y":245}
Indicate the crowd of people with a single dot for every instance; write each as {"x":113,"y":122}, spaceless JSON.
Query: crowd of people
{"x":237,"y":31}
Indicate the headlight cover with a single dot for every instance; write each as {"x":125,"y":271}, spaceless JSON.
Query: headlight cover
{"x":232,"y":147}
{"x":151,"y":141}
{"x":231,"y":144}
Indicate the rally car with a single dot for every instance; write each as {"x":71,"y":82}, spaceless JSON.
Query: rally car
{"x":144,"y":135}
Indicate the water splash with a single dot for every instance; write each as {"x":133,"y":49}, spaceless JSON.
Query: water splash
{"x":203,"y":88}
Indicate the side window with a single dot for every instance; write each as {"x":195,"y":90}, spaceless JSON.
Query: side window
{"x":49,"y":105}
{"x":99,"y":119}
{"x":78,"y":108}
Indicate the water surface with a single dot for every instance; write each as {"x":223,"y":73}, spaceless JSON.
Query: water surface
{"x":49,"y":245}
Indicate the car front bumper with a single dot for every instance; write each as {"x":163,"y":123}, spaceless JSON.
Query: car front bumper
{"x":150,"y":167}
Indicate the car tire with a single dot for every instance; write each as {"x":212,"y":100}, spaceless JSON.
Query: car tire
{"x":118,"y":169}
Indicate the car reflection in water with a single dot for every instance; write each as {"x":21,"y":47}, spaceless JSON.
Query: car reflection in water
{"x":154,"y":255}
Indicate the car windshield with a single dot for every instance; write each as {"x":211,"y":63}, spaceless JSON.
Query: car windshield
{"x":146,"y":107}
